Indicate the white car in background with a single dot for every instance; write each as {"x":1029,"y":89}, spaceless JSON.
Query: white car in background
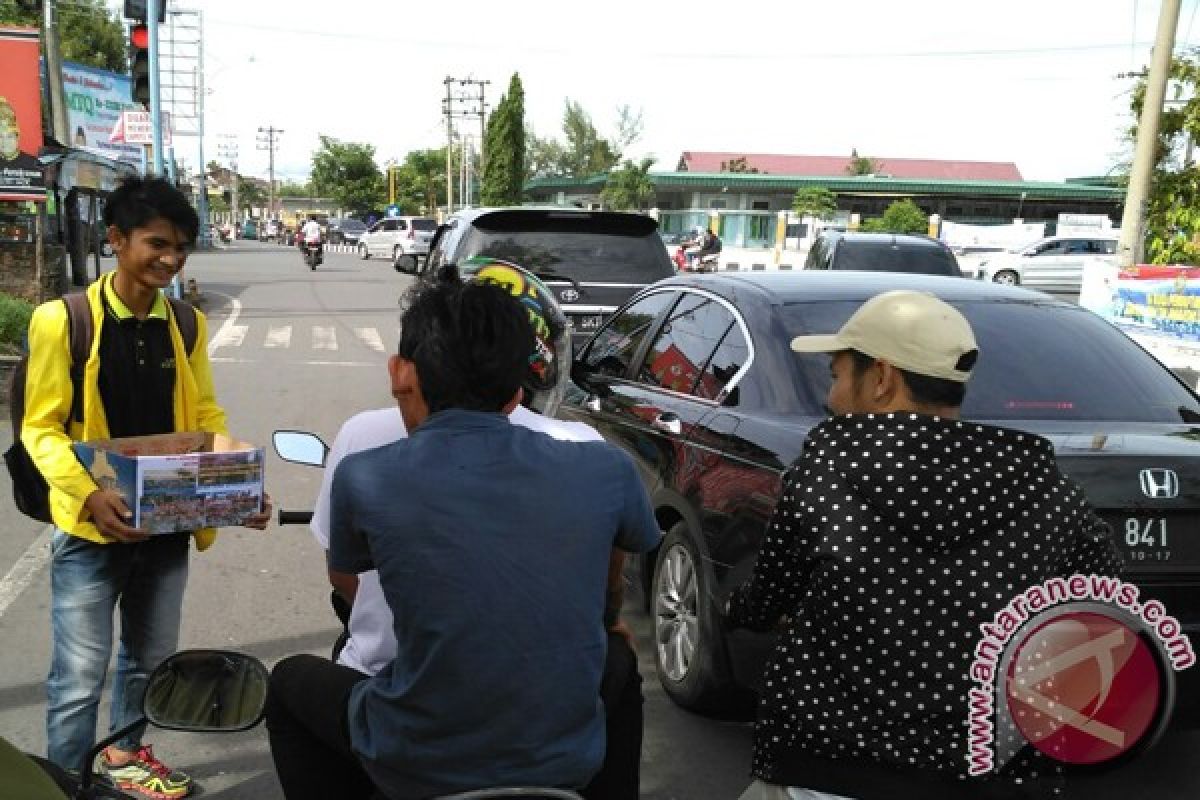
{"x":1053,"y":264}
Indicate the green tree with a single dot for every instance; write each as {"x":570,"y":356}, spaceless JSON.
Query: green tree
{"x":294,"y":189}
{"x":861,"y":165}
{"x":815,"y":201}
{"x":1173,"y":205}
{"x":586,"y":151}
{"x":347,"y":173}
{"x":421,"y":180}
{"x":89,"y":32}
{"x":251,"y":194}
{"x":543,"y":157}
{"x":629,"y":187}
{"x":504,"y":168}
{"x":902,"y":216}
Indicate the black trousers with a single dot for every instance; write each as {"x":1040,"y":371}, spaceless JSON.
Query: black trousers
{"x":306,"y":726}
{"x":310,"y":739}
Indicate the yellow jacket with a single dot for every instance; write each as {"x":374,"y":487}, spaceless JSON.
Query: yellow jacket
{"x":46,"y":430}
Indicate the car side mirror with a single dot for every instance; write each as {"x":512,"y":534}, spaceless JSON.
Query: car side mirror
{"x":300,"y":447}
{"x":207,"y":691}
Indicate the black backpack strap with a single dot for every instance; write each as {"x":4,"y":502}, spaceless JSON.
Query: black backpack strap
{"x":185,"y":318}
{"x":81,"y":330}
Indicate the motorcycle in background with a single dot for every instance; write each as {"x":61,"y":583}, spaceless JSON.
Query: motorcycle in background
{"x":314,"y":253}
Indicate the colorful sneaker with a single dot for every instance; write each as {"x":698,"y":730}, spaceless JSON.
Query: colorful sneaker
{"x":146,"y":776}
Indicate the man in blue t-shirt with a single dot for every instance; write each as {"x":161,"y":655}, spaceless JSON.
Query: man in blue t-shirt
{"x":492,"y":545}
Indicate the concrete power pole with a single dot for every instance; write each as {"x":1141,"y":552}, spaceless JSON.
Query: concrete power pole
{"x":58,"y":103}
{"x":1131,"y":248}
{"x":267,"y":141}
{"x":448,"y":111}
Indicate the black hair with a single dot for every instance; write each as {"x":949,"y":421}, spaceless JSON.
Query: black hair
{"x":470,"y":344}
{"x":137,"y":201}
{"x":925,"y":389}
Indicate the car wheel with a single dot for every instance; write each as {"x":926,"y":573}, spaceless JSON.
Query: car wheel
{"x":363,"y":252}
{"x":689,"y":649}
{"x":1006,"y":277}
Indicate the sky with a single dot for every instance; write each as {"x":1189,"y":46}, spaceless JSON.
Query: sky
{"x":1032,"y":82}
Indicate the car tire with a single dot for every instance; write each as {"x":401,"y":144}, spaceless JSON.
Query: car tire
{"x":689,"y":645}
{"x":1006,"y":277}
{"x":363,"y":252}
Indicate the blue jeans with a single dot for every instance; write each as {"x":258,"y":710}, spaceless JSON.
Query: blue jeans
{"x":88,"y":582}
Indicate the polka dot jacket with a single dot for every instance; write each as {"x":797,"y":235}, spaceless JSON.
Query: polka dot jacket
{"x":895,"y":537}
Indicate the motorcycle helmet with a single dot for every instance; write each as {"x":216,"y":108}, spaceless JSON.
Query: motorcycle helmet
{"x":545,"y":381}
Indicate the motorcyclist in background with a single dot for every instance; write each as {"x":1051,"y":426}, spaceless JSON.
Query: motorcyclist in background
{"x":311,"y":235}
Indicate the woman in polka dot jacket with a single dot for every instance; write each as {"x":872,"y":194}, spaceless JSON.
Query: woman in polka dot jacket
{"x":900,"y":529}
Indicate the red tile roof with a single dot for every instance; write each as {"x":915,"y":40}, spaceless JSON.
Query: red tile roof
{"x":835,"y":166}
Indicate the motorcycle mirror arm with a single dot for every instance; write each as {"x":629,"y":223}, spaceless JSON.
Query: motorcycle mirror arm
{"x":86,"y":772}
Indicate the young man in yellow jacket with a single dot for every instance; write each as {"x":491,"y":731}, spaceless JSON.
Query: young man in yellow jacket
{"x":139,"y":379}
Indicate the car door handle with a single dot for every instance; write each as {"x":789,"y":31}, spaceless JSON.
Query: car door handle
{"x":669,"y":422}
{"x":592,"y":404}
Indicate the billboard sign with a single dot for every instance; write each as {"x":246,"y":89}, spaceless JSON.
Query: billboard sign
{"x":21,"y":175}
{"x":95,"y":99}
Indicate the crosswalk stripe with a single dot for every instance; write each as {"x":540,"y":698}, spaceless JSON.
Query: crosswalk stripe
{"x":278,"y":336}
{"x":231,"y":336}
{"x":324,"y":338}
{"x":370,"y":337}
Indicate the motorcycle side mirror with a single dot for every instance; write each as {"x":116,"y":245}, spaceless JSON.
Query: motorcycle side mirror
{"x":207,"y":691}
{"x":300,"y":447}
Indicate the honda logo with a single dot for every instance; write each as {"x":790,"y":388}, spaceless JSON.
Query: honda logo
{"x":1160,"y":484}
{"x":569,"y":295}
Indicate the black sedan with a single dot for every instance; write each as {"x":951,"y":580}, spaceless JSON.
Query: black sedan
{"x":694,"y":377}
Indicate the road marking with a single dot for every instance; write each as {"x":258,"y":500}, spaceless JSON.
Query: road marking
{"x":231,"y":336}
{"x":370,"y":337}
{"x":26,"y":567}
{"x":324,"y":338}
{"x":278,"y":336}
{"x":230,"y":321}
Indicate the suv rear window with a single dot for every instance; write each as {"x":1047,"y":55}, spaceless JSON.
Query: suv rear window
{"x":583,"y":247}
{"x":1035,"y":363}
{"x":901,"y":257}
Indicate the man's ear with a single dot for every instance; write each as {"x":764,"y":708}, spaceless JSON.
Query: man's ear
{"x":115,"y":238}
{"x":395,"y":370}
{"x":889,"y":385}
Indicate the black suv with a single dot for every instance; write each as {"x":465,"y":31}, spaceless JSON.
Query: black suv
{"x":881,"y":252}
{"x":695,"y":379}
{"x":593,"y":261}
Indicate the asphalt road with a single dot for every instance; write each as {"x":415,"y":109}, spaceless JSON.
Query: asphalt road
{"x":295,"y":349}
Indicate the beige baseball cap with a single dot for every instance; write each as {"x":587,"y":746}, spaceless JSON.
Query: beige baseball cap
{"x":914,"y":331}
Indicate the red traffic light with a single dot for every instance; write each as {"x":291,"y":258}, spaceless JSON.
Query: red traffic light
{"x":139,"y":36}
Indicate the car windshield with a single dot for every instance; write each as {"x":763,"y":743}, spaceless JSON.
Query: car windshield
{"x":352,"y":225}
{"x":582,"y":256}
{"x":887,"y":257}
{"x":1036,"y":362}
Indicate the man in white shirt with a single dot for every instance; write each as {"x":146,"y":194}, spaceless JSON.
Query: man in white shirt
{"x":370,"y":642}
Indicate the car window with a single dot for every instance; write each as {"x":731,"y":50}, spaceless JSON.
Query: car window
{"x":390,"y":224}
{"x":442,"y":242}
{"x":875,"y":256}
{"x":1079,"y":246}
{"x":726,"y":362}
{"x":1036,"y":362}
{"x":581,"y":255}
{"x":679,"y":355}
{"x":401,"y":225}
{"x":612,"y":351}
{"x":1051,"y":249}
{"x":424,"y":225}
{"x":1108,"y":246}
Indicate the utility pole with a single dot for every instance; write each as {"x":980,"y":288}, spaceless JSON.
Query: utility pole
{"x":152,"y":7}
{"x":267,"y":140}
{"x":58,"y":103}
{"x":449,"y":148}
{"x":467,"y":103}
{"x":1131,"y":248}
{"x":228,"y":150}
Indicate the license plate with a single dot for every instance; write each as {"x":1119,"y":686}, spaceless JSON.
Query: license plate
{"x":587,"y":322}
{"x":1150,"y":540}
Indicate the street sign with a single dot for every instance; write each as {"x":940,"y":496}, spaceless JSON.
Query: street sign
{"x":134,"y":127}
{"x":393,"y":210}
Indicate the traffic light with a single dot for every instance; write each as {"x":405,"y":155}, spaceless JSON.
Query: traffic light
{"x":139,"y":64}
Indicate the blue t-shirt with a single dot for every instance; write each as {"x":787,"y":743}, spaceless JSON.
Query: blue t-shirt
{"x":492,"y":545}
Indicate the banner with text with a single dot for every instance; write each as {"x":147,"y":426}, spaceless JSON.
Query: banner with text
{"x":95,"y":99}
{"x":1149,"y":299}
{"x":21,"y":175}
